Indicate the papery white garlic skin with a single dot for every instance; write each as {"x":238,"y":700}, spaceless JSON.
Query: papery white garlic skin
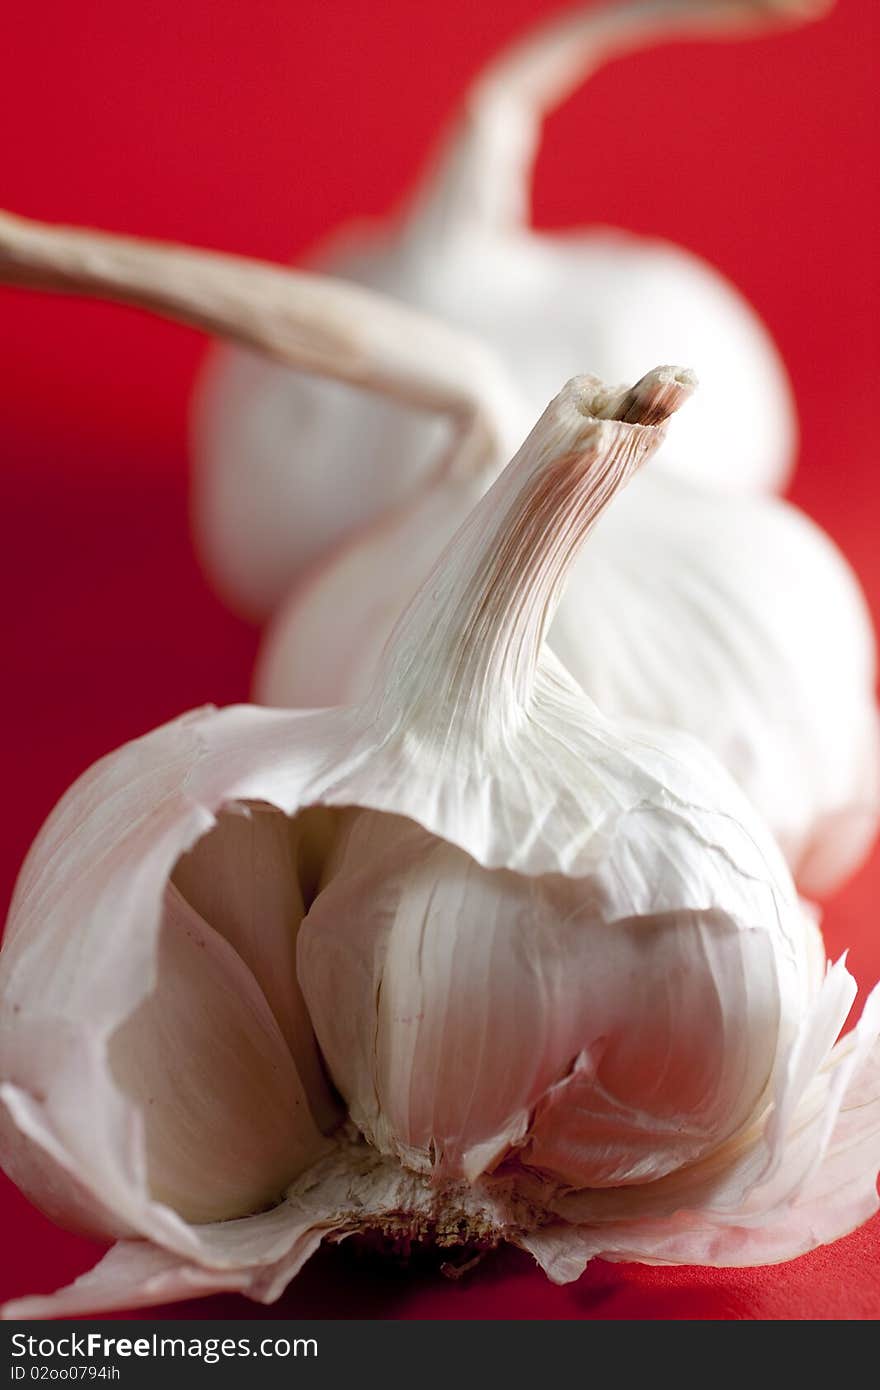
{"x":579,"y":869}
{"x":753,"y":635}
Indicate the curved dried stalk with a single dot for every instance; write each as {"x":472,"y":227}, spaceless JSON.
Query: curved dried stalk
{"x":483,"y":175}
{"x":312,"y":322}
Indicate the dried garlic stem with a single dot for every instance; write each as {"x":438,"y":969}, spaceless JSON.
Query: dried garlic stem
{"x":484,"y":172}
{"x":312,"y":322}
{"x":651,"y":401}
{"x":488,"y":613}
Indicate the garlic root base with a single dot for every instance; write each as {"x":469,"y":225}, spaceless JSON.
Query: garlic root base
{"x":393,"y":1209}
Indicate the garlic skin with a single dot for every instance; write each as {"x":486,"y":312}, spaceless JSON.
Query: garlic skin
{"x":479,"y":841}
{"x":544,"y":303}
{"x":757,"y":640}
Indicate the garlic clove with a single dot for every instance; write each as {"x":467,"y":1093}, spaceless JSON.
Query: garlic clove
{"x":204,"y":1064}
{"x":151,"y":1146}
{"x":697,"y":1062}
{"x":810,"y":1169}
{"x":253,"y":845}
{"x":550,"y":1007}
{"x":766,"y":1164}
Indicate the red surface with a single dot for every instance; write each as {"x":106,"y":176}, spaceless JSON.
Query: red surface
{"x":256,"y":128}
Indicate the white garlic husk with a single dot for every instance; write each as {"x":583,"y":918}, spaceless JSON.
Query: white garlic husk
{"x":555,"y":965}
{"x":757,"y":640}
{"x":545,"y":303}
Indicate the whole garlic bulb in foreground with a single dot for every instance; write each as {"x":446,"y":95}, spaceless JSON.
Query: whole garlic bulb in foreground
{"x":555,"y":965}
{"x":545,"y":304}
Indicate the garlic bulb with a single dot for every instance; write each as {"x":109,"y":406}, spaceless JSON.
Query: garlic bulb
{"x":555,"y":965}
{"x":545,"y":304}
{"x":752,"y":630}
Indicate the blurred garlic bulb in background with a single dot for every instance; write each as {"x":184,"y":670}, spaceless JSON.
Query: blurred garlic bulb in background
{"x":555,"y":964}
{"x":546,"y":303}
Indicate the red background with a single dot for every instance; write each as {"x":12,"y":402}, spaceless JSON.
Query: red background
{"x":256,"y":128}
